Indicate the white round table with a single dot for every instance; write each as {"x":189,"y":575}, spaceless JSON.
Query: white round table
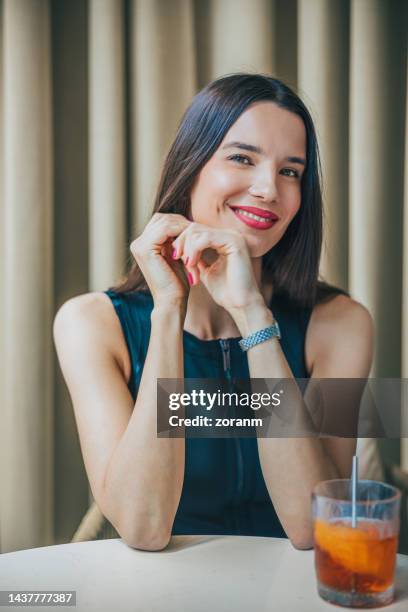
{"x":193,"y":574}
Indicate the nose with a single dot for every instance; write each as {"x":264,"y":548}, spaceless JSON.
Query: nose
{"x":264,"y":185}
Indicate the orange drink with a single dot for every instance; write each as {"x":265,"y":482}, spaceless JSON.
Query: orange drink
{"x":355,"y":566}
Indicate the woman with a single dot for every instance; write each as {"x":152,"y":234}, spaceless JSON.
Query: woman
{"x":233,"y":246}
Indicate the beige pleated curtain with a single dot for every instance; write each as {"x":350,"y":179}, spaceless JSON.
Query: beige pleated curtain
{"x":91,"y":94}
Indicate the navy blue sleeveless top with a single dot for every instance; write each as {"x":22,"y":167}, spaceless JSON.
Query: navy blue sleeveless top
{"x":224,"y":492}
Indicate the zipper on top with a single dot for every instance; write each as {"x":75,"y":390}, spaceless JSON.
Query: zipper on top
{"x":226,"y":362}
{"x":226,"y":357}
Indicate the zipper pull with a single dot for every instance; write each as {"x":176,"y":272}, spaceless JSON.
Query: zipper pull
{"x":226,"y":357}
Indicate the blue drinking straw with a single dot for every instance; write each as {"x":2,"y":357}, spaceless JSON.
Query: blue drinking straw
{"x":354,"y":481}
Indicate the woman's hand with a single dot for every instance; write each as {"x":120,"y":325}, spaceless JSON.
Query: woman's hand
{"x":220,"y":259}
{"x":152,"y":251}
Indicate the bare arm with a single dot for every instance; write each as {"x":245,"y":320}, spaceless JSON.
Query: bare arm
{"x":340,"y":345}
{"x":145,"y":474}
{"x":135,"y":477}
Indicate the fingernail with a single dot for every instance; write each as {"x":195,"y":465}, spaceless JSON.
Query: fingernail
{"x":190,"y":278}
{"x":174,"y":253}
{"x":187,"y":258}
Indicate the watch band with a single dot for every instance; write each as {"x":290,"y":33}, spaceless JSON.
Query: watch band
{"x":266,"y":333}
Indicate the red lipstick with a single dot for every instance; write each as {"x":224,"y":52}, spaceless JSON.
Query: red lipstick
{"x":270,"y":217}
{"x":258,"y":211}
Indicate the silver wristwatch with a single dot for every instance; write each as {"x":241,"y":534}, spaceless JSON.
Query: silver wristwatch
{"x":272,"y":331}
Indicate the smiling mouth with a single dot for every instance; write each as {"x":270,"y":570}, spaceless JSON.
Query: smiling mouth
{"x":266,"y":217}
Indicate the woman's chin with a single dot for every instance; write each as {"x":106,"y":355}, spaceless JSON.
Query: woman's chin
{"x":255,"y":248}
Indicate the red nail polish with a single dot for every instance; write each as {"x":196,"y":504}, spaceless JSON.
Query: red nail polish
{"x":190,"y":278}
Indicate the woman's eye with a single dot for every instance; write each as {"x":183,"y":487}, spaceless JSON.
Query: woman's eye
{"x":293,"y":173}
{"x":241,"y":159}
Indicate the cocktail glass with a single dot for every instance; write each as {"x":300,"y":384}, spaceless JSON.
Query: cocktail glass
{"x":355,"y":565}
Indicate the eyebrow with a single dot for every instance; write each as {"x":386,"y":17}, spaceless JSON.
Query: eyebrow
{"x":254,"y":149}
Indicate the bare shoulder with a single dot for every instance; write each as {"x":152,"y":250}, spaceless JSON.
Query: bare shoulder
{"x":338,"y":310}
{"x":339,"y":328}
{"x":93,"y":316}
{"x":91,"y":310}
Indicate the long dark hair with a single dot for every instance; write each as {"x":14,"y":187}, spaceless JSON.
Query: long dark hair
{"x":293,"y":263}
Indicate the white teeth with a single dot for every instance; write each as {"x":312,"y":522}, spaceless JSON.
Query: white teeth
{"x":252,"y":216}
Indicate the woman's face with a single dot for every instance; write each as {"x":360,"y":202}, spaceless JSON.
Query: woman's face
{"x":258,"y":166}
